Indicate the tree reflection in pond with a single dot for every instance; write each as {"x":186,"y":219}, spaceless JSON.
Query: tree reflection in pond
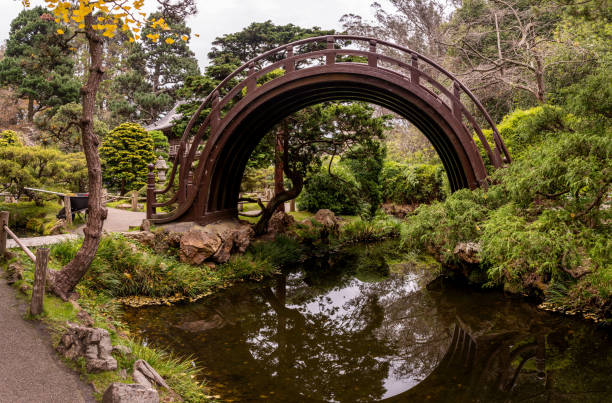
{"x":362,"y":326}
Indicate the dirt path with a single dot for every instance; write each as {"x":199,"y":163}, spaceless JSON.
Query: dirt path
{"x":30,"y":371}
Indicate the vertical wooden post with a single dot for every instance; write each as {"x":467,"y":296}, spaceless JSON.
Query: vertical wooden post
{"x":134,"y":200}
{"x":151,"y":192}
{"x":292,"y":205}
{"x":457,"y":108}
{"x":68,"y":210}
{"x":415,"y":76}
{"x":289,"y":64}
{"x":40,"y":278}
{"x":372,"y":59}
{"x":331,"y":58}
{"x":4,"y":220}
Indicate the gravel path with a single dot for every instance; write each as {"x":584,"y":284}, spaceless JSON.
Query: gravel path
{"x":30,"y":371}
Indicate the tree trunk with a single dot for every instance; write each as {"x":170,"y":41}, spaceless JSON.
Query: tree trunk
{"x":30,"y":110}
{"x":279,"y":199}
{"x":278,"y":163}
{"x":64,"y":281}
{"x":541,"y":95}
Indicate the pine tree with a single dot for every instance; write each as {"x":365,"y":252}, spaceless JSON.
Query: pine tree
{"x":37,"y":62}
{"x":126,"y":151}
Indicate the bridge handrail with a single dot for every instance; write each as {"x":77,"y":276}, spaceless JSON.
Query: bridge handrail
{"x":180,"y":158}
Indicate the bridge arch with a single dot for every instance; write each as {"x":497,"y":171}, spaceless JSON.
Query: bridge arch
{"x":241,"y":114}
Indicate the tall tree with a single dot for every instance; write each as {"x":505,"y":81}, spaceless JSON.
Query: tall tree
{"x":511,"y":45}
{"x":157,"y":66}
{"x":38,"y":63}
{"x":111,"y":16}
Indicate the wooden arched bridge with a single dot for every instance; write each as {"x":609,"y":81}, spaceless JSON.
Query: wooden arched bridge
{"x":209,"y":166}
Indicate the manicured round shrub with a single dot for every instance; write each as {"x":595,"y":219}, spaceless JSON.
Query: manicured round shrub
{"x":126,"y":151}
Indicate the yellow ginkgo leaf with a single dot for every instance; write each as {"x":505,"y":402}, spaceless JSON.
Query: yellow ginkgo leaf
{"x":169,"y":41}
{"x":185,"y":38}
{"x":60,"y":31}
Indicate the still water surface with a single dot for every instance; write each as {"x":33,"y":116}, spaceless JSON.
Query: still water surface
{"x":364,"y":325}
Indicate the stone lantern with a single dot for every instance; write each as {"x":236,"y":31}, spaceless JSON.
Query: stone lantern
{"x":161,"y":168}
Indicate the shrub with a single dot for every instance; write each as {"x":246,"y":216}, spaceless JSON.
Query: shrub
{"x":41,"y":167}
{"x":126,"y":151}
{"x":524,"y":128}
{"x":160,"y":143}
{"x":9,"y":138}
{"x":412,"y":184}
{"x":325,"y":192}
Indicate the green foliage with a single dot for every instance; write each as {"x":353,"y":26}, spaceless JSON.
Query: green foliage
{"x":9,"y":138}
{"x":365,"y":162}
{"x":29,"y":218}
{"x":374,"y":229}
{"x":41,"y":167}
{"x":59,"y":127}
{"x":522,"y":129}
{"x":160,"y":143}
{"x":121,"y":269}
{"x":440,"y":226}
{"x":544,"y":222}
{"x":412,"y":183}
{"x":323,"y":191}
{"x":281,"y":252}
{"x":126,"y":151}
{"x":38,"y":63}
{"x":154,"y":72}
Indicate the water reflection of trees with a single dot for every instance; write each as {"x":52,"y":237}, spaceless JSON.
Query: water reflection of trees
{"x":345,"y":329}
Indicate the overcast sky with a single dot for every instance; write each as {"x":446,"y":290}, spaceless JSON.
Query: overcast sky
{"x":219,"y":17}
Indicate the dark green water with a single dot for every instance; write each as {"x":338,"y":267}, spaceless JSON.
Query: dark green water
{"x":364,"y":326}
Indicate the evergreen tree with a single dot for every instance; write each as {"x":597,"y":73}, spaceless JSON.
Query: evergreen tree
{"x":157,"y":67}
{"x":126,"y":151}
{"x":37,"y":62}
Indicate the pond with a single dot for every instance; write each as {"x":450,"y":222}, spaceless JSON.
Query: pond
{"x":368,"y":324}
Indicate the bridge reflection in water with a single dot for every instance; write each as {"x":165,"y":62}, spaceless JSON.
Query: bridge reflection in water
{"x":352,"y":329}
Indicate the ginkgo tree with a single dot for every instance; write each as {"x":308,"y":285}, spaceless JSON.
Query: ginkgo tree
{"x":95,"y":20}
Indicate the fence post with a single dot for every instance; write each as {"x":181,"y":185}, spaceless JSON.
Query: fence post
{"x":4,"y":220}
{"x":68,"y":210}
{"x":40,"y":278}
{"x":134,"y":200}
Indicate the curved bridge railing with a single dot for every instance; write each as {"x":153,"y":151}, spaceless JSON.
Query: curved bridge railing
{"x":303,"y":54}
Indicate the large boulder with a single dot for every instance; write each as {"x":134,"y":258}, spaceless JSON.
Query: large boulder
{"x":327,"y":219}
{"x":235,"y":236}
{"x":215,"y":242}
{"x":129,"y":393}
{"x":280,"y":222}
{"x":197,"y":246}
{"x":94,"y":344}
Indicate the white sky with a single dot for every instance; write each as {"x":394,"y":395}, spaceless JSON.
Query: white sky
{"x":218,"y":17}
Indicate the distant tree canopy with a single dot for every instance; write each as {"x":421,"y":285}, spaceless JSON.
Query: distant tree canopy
{"x":126,"y":151}
{"x":155,"y":70}
{"x":38,"y":63}
{"x":41,"y":167}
